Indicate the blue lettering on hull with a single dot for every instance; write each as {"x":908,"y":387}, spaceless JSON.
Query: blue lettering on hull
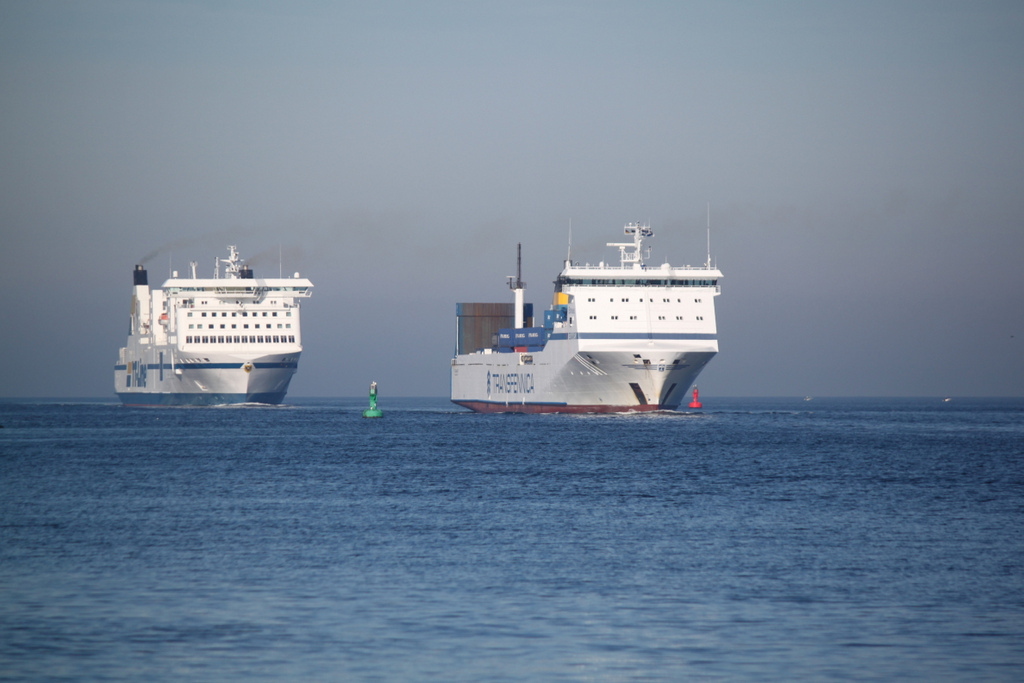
{"x":509,"y":383}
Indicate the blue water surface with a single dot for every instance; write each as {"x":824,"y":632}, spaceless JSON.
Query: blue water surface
{"x":757,"y":539}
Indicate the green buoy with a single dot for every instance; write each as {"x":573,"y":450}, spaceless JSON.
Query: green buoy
{"x":373,"y":410}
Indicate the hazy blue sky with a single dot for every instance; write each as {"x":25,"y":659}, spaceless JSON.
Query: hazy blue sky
{"x":864,"y":162}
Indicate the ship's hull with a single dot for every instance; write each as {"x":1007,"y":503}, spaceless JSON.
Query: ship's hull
{"x":563,"y":378}
{"x":203,"y":381}
{"x":534,"y":408}
{"x":182,"y":399}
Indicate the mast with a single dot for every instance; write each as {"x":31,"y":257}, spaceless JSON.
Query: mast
{"x":515,"y":282}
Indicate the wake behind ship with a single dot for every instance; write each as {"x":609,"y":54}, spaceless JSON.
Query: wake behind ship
{"x":620,"y":338}
{"x":232,"y":338}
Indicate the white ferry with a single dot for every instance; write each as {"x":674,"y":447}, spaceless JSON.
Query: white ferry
{"x":620,"y":338}
{"x":232,"y":338}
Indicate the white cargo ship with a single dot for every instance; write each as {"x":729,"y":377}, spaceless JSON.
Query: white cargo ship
{"x":232,"y":338}
{"x":631,"y":337}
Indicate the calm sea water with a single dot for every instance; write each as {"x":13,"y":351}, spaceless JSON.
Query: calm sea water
{"x":766,"y":539}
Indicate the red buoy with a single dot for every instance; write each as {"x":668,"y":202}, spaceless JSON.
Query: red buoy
{"x":695,"y":403}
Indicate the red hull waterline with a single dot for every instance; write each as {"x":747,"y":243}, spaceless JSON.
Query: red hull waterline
{"x":487,"y":407}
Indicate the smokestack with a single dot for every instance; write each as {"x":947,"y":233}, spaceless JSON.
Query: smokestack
{"x":245,"y":273}
{"x":140,"y":276}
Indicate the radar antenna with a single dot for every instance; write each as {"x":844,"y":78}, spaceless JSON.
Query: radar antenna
{"x":636,"y":256}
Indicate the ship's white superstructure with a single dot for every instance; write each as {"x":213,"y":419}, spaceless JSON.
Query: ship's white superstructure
{"x":617,"y":338}
{"x":232,"y":338}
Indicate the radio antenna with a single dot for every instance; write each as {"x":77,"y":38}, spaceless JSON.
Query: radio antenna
{"x":568,"y":255}
{"x":709,"y":235}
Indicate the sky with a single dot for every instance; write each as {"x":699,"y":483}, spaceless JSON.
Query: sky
{"x":863,"y":163}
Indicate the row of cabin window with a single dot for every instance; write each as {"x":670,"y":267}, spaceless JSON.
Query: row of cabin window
{"x":660,"y":317}
{"x":667,"y":301}
{"x":245,"y":326}
{"x":241,"y":339}
{"x":629,"y":282}
{"x":245,"y":314}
